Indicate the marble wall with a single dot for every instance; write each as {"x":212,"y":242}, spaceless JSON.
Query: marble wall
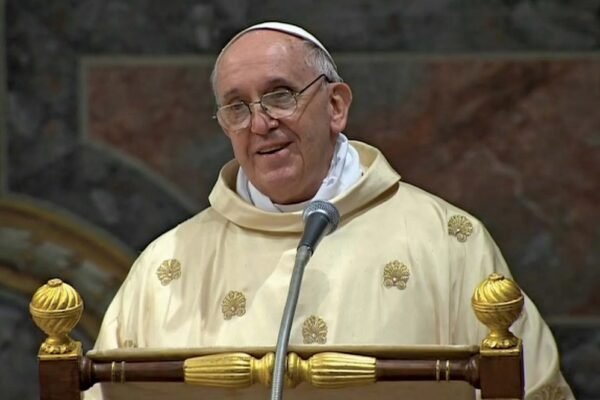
{"x":492,"y":105}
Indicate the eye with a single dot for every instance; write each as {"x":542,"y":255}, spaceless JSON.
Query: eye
{"x":234,"y":113}
{"x":236,"y":108}
{"x":279,"y":99}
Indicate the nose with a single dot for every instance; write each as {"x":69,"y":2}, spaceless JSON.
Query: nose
{"x":260,"y":122}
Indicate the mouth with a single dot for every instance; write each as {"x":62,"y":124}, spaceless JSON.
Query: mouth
{"x":272,"y":149}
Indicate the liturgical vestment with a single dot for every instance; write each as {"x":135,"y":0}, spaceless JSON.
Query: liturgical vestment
{"x":400,"y":270}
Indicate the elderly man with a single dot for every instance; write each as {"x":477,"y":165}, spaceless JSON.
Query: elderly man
{"x":400,"y":269}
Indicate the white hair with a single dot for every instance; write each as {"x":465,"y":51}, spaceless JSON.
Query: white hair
{"x":321,"y":62}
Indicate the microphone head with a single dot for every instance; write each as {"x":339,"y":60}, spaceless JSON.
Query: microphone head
{"x":325,"y":208}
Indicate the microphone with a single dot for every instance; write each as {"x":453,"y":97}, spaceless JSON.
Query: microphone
{"x":320,"y":219}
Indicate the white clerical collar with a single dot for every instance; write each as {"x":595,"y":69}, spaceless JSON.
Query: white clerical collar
{"x":344,"y":171}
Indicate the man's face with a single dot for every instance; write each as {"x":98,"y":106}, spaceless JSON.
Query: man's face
{"x":286,"y":159}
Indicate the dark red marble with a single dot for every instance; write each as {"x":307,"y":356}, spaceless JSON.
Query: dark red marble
{"x":157,"y":114}
{"x":515,"y":142}
{"x":512,"y":140}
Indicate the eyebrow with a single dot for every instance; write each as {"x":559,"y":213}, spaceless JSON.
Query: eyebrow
{"x":269,"y":86}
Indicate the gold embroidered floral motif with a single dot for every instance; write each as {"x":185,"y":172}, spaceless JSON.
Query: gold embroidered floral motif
{"x":549,"y":392}
{"x":233,"y":304}
{"x":129,"y":344}
{"x":460,"y":227}
{"x":314,"y":330}
{"x":168,"y":271}
{"x":395,"y":274}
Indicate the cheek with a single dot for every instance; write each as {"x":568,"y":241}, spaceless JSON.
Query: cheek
{"x":240,"y":148}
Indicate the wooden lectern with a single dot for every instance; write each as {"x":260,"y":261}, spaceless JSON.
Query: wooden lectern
{"x":495,"y":367}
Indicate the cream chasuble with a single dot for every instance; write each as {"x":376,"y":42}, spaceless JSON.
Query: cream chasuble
{"x":390,"y":275}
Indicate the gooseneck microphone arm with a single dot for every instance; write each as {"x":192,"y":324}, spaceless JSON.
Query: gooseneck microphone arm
{"x":321,"y":218}
{"x":303,"y":254}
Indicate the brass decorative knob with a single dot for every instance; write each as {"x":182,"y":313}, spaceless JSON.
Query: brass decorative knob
{"x":331,"y":370}
{"x":229,"y":370}
{"x":56,"y":308}
{"x":498,"y":302}
{"x":239,"y":370}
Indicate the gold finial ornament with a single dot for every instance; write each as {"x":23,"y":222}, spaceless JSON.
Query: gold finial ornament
{"x":56,"y":308}
{"x":498,"y":302}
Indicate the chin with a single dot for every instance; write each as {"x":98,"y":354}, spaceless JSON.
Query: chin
{"x":276,"y":180}
{"x":281,"y":191}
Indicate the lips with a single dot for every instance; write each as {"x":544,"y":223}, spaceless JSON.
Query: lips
{"x":272,"y":149}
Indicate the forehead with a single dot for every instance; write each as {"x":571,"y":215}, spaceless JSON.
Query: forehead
{"x":259,"y":57}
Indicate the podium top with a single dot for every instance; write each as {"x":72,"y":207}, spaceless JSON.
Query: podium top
{"x":448,"y":352}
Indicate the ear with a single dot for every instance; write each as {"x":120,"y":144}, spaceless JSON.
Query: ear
{"x":339,"y":105}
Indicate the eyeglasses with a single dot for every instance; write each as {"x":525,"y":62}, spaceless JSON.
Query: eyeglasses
{"x":278,"y":104}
